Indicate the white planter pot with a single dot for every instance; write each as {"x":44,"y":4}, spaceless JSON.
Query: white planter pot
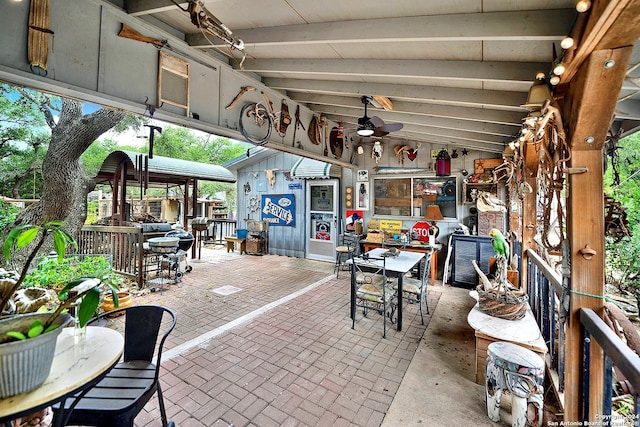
{"x":25,"y":364}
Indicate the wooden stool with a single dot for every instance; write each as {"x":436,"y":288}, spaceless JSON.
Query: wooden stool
{"x":231,"y":244}
{"x":520,"y":372}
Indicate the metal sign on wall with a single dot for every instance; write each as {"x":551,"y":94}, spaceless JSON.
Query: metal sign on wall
{"x":279,"y":209}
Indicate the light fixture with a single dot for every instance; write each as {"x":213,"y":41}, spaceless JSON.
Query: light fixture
{"x":583,"y":5}
{"x":432,"y":215}
{"x":538,"y":93}
{"x":567,"y":43}
{"x":559,"y":69}
{"x":365,"y":127}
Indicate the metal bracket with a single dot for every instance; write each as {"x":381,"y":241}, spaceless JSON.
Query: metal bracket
{"x":570,"y":171}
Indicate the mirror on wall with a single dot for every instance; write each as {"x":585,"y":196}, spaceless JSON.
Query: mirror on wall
{"x":410,"y":196}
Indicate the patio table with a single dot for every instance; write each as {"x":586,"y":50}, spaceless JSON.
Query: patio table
{"x":78,"y":364}
{"x":396,"y":267}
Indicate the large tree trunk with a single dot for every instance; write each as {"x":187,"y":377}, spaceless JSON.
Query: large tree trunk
{"x":65,"y":189}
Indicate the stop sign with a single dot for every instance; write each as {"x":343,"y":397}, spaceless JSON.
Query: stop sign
{"x":421,"y":228}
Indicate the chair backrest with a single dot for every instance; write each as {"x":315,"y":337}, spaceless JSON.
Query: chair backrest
{"x":141,"y":331}
{"x":366,"y":266}
{"x":425,"y":272}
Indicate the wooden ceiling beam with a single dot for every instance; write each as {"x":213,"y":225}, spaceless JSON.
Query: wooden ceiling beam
{"x":599,"y":31}
{"x":511,"y":25}
{"x":478,"y":71}
{"x":590,"y":103}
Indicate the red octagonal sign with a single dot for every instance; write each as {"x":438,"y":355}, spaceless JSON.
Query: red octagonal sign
{"x":421,"y":228}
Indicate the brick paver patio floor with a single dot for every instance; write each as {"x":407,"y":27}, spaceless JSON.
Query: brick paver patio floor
{"x":279,"y":351}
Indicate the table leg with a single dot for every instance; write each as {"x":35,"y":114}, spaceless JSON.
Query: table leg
{"x":352,"y":302}
{"x":399,"y":326}
{"x":434,"y":267}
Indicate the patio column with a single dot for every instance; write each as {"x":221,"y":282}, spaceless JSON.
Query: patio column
{"x":587,"y":110}
{"x":529,"y":210}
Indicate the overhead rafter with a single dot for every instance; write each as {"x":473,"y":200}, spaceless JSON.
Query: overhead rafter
{"x":517,"y":25}
{"x":500,"y":100}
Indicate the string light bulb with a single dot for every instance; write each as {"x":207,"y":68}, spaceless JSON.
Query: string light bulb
{"x":583,"y":5}
{"x":559,"y":69}
{"x":567,"y":43}
{"x":554,"y":80}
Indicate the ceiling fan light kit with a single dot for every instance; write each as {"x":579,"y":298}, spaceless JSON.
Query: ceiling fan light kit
{"x":366,"y":129}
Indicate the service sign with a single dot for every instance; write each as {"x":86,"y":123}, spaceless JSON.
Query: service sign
{"x":279,"y":209}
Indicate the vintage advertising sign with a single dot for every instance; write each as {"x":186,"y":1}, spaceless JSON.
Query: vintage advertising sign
{"x":391,"y":226}
{"x":279,"y":209}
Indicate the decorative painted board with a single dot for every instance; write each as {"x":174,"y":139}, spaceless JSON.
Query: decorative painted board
{"x":279,"y":209}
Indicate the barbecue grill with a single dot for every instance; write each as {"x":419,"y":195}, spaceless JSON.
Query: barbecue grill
{"x":173,"y":247}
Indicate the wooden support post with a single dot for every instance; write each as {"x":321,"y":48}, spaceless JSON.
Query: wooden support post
{"x":529,"y":209}
{"x":587,"y":111}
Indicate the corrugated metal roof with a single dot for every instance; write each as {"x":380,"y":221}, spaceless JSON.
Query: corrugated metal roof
{"x":165,"y":169}
{"x":310,"y":169}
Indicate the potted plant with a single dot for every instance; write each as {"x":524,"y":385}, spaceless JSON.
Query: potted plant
{"x":27,"y":341}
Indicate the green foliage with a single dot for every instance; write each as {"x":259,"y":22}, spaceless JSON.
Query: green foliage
{"x":24,"y":137}
{"x":51,"y":272}
{"x":8,"y":213}
{"x":623,"y":258}
{"x":85,"y":289}
{"x":93,"y":156}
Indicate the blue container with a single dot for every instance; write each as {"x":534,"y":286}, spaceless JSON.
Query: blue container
{"x":241,"y":233}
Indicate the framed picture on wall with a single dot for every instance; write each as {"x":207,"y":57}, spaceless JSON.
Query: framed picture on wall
{"x":362,"y":196}
{"x":362,"y":176}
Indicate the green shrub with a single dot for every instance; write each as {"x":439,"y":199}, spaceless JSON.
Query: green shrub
{"x":8,"y":213}
{"x":51,"y":272}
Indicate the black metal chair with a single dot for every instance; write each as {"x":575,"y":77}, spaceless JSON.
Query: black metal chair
{"x":347,"y":246}
{"x":415,"y":290}
{"x":118,"y":398}
{"x":370,"y":289}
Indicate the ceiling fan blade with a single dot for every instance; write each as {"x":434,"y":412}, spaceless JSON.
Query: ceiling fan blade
{"x":380,"y":125}
{"x":376,"y":121}
{"x":392,"y":127}
{"x":378,"y":132}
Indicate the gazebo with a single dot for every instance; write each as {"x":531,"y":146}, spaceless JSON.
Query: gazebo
{"x":123,"y":168}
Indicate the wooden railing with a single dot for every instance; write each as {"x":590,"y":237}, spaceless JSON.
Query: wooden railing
{"x":545,"y":289}
{"x":616,"y":352}
{"x":223,"y":227}
{"x":122,"y":244}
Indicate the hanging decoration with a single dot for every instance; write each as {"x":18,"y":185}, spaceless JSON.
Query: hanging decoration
{"x":545,"y":133}
{"x":376,"y":151}
{"x":443,"y":163}
{"x":38,"y":36}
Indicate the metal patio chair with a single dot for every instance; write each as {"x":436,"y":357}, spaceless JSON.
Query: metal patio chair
{"x":120,"y":396}
{"x":415,"y":290}
{"x":370,"y":288}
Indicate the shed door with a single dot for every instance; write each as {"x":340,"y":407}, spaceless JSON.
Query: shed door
{"x":322,"y":219}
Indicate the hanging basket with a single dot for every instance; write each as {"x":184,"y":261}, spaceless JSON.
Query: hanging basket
{"x":508,"y":305}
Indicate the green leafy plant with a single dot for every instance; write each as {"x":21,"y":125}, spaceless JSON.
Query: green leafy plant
{"x":50,"y":272}
{"x":83,"y":289}
{"x":36,"y":329}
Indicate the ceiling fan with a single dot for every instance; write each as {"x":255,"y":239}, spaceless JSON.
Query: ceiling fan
{"x":374,"y":126}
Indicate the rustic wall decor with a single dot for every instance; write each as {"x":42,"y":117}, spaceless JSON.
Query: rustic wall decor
{"x":173,"y":81}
